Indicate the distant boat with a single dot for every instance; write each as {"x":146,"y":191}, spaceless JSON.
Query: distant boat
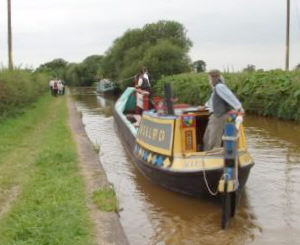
{"x":106,"y":86}
{"x":168,"y":150}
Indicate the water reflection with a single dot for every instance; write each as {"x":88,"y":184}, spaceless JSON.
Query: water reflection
{"x":268,"y":211}
{"x":178,"y":219}
{"x":275,"y":185}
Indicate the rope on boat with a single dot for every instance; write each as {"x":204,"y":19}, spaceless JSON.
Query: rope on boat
{"x":125,"y":79}
{"x":206,"y":182}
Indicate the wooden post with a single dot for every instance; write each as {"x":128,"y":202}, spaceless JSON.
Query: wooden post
{"x":168,"y":97}
{"x":10,"y":60}
{"x":287,"y":55}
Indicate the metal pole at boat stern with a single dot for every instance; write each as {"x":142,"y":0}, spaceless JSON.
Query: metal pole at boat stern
{"x":228,"y":185}
{"x":168,"y":95}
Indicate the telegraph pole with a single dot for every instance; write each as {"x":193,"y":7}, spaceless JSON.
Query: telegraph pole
{"x":10,"y":61}
{"x":287,"y":55}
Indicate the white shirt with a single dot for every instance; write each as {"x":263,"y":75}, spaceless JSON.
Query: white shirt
{"x":51,"y":83}
{"x":60,"y":85}
{"x":140,"y":81}
{"x":146,"y":76}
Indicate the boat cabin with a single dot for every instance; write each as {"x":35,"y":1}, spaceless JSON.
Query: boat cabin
{"x":178,"y":134}
{"x":105,"y":85}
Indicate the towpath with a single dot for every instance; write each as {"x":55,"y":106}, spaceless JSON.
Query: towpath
{"x":107,"y":227}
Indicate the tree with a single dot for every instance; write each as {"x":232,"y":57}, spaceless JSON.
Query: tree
{"x":249,"y":68}
{"x":77,"y":74}
{"x":85,"y":73}
{"x":55,"y":68}
{"x":166,"y":58}
{"x":90,"y":68}
{"x":9,"y":29}
{"x":72,"y":74}
{"x":145,"y":47}
{"x":199,"y":66}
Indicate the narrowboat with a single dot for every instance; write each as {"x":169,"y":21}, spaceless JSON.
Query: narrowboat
{"x":106,"y":86}
{"x":168,"y":150}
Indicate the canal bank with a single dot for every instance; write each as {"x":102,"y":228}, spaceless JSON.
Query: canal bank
{"x":107,"y":227}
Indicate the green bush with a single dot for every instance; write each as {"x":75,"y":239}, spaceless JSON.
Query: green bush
{"x":19,"y":88}
{"x":272,"y":93}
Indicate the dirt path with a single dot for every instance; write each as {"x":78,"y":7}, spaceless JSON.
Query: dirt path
{"x":108,"y":229}
{"x":10,"y":198}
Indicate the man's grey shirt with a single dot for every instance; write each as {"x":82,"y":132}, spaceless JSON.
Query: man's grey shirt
{"x":225,"y":93}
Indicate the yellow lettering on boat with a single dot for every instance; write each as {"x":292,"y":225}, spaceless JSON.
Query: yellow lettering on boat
{"x":161,"y":136}
{"x":155,"y":134}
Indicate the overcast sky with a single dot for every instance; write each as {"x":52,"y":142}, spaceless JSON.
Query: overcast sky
{"x":225,"y":33}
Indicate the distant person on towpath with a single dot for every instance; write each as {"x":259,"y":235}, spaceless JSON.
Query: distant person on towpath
{"x":60,"y":87}
{"x":51,"y":84}
{"x":55,"y":88}
{"x":64,"y":87}
{"x":221,"y":101}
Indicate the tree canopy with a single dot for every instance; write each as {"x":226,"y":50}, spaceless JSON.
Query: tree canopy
{"x":162,"y":47}
{"x":54,"y":68}
{"x":249,"y":68}
{"x":199,"y":66}
{"x":78,"y":74}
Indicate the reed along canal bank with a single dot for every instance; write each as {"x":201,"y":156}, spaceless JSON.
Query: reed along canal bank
{"x":47,"y":180}
{"x":269,"y":93}
{"x":268,"y":212}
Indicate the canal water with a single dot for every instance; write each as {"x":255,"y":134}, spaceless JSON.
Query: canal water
{"x":269,"y":212}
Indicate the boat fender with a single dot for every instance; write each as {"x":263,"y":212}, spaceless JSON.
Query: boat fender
{"x":230,"y":185}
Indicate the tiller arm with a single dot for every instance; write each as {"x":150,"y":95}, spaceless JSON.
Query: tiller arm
{"x":229,"y":184}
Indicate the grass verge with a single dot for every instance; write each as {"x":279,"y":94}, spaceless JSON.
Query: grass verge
{"x":38,"y":156}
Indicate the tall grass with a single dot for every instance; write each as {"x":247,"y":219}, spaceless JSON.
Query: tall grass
{"x":271,"y":93}
{"x":19,"y":88}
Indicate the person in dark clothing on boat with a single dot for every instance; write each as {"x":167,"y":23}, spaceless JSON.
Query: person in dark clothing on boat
{"x":143,"y":80}
{"x":143,"y":92}
{"x":220,"y":102}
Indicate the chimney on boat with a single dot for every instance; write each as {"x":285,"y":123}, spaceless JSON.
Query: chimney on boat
{"x":168,"y":95}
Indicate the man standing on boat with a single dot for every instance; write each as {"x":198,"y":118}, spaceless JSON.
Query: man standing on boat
{"x":221,"y":101}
